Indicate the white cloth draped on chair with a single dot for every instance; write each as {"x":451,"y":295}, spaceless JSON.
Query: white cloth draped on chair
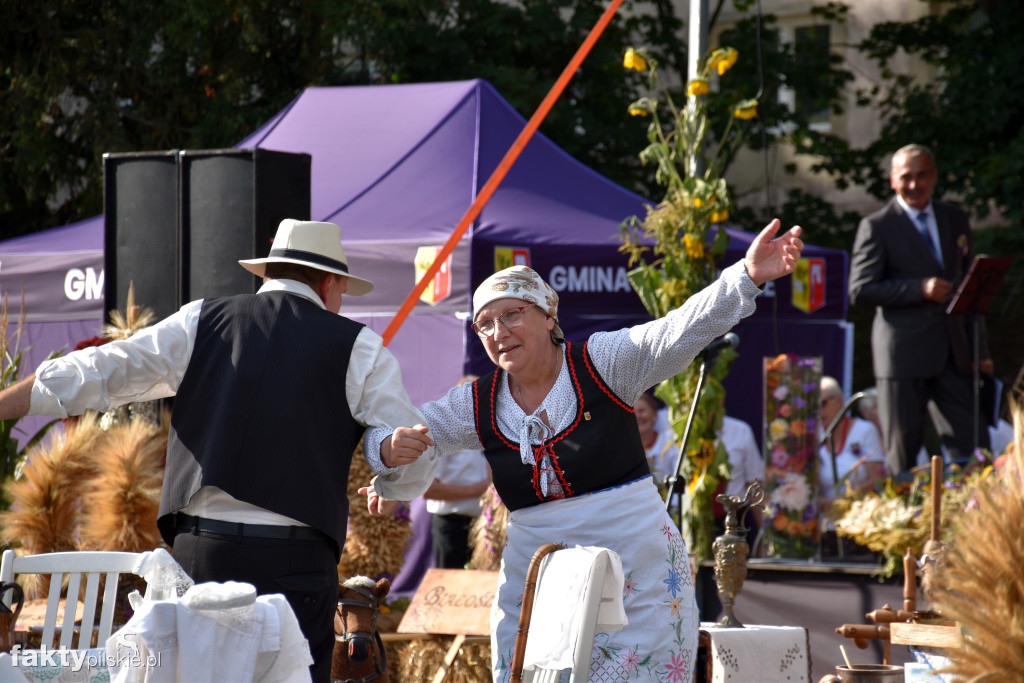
{"x":217,"y":632}
{"x":579,"y":592}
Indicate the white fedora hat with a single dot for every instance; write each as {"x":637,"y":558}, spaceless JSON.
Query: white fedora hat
{"x":313,"y":244}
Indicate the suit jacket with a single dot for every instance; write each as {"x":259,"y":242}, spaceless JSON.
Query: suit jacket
{"x":911,"y":337}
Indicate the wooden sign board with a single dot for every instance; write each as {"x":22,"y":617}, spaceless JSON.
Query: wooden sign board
{"x":452,"y":602}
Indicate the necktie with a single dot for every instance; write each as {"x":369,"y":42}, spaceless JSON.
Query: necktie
{"x":922,"y":227}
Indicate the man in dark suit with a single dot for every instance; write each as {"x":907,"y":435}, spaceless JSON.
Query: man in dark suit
{"x":908,"y":259}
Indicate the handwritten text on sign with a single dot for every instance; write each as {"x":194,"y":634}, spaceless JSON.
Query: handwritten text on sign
{"x":452,"y":602}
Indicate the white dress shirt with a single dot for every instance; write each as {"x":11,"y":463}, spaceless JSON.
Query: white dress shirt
{"x":744,"y":455}
{"x":151,"y":364}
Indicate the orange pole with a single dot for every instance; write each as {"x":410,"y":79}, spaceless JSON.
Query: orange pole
{"x":502,"y":170}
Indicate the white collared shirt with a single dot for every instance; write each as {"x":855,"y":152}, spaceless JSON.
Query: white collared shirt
{"x":151,"y":364}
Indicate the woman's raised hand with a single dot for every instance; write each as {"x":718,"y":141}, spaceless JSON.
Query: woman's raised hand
{"x":767,"y":258}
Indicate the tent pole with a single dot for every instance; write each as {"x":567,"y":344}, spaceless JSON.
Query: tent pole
{"x":499,"y":173}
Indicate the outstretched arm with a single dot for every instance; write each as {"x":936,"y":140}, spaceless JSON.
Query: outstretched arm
{"x":15,"y":399}
{"x":767,"y":258}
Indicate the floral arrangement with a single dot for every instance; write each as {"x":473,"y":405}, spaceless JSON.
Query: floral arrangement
{"x":792,"y":513}
{"x":690,"y":158}
{"x":898,"y":514}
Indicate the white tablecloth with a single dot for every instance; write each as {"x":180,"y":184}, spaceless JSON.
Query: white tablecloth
{"x":767,"y":654}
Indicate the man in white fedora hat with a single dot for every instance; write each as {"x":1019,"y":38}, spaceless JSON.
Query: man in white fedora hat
{"x":273,"y":392}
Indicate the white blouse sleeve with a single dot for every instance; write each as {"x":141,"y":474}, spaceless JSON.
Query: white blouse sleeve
{"x":634,"y":359}
{"x":378,"y":400}
{"x":148,"y":365}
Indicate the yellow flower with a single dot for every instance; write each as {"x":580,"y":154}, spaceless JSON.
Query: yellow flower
{"x":719,"y":216}
{"x":694,"y":247}
{"x":632,"y":60}
{"x":746,"y":110}
{"x":637,"y":111}
{"x":698,"y":202}
{"x":698,"y":86}
{"x":727,"y":60}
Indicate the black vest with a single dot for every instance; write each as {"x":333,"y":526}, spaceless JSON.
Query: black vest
{"x":261,"y":412}
{"x":601,"y":449}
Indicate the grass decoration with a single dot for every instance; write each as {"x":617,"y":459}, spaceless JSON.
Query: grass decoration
{"x":119,"y":510}
{"x":374,"y":546}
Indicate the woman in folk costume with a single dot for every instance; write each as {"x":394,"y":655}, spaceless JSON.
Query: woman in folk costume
{"x":556,"y":423}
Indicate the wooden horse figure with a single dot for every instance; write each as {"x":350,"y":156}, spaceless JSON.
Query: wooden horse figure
{"x":359,"y":655}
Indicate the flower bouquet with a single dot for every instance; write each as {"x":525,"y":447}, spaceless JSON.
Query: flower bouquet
{"x":791,"y":472}
{"x":898,"y":514}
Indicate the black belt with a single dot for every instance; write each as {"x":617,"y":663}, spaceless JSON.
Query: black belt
{"x":186,"y":523}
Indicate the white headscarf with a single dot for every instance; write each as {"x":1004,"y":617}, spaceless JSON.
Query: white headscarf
{"x":519,"y":282}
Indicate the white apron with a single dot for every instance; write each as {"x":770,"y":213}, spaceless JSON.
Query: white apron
{"x":660,"y":641}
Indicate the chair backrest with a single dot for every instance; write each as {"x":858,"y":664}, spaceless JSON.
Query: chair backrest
{"x":553,"y":606}
{"x":75,"y":564}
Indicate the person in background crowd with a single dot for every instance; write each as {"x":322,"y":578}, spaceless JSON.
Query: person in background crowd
{"x":453,"y":500}
{"x":859,"y":457}
{"x":556,"y":423}
{"x":744,"y":455}
{"x":273,"y":393}
{"x":657,"y":438}
{"x":908,"y":258}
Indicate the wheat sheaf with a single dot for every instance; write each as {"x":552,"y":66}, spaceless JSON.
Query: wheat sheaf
{"x":982,"y":583}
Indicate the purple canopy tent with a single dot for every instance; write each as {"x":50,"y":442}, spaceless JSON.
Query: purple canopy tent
{"x":397,"y":167}
{"x":61,"y":272}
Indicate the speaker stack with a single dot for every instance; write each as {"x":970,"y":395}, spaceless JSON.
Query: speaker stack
{"x":176,"y":222}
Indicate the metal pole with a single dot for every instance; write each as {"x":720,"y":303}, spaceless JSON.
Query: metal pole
{"x":698,"y":37}
{"x":698,"y":46}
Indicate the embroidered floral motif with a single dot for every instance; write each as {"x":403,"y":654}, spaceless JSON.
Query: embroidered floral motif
{"x":630,"y":587}
{"x":631,"y":662}
{"x":674,"y":582}
{"x":678,"y":668}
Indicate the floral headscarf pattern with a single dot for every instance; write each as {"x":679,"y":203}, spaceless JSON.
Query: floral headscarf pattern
{"x":519,"y":282}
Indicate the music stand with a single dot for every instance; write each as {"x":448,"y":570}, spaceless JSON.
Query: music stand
{"x":972,"y":299}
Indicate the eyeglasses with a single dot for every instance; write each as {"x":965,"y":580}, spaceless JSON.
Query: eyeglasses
{"x":511,"y":318}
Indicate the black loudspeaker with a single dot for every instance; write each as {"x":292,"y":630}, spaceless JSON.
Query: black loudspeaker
{"x":141,"y":230}
{"x":180,"y":220}
{"x":232,"y":201}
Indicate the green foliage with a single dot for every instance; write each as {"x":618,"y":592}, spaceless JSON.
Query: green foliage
{"x":971,"y":113}
{"x":79,"y":79}
{"x":674,"y":251}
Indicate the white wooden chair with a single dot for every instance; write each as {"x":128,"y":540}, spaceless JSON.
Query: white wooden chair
{"x":528,"y":663}
{"x":74,"y":564}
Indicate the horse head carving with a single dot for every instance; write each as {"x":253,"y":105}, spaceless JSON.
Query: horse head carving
{"x":359,"y":655}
